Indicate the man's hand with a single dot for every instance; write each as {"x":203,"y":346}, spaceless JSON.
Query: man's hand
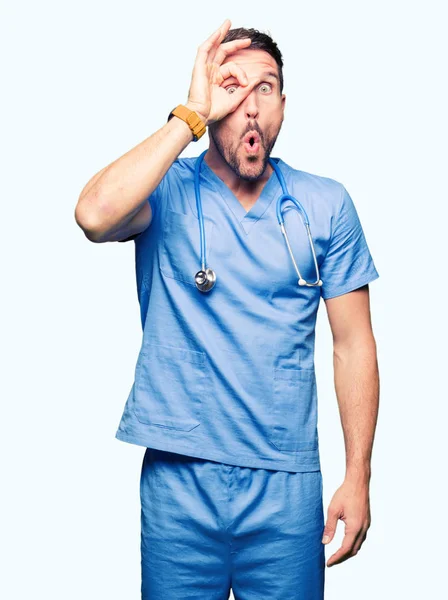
{"x":350,"y":503}
{"x":207,"y":97}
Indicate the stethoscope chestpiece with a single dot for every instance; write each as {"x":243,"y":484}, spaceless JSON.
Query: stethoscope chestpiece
{"x":205,"y":280}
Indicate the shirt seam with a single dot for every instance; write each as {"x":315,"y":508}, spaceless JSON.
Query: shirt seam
{"x":336,"y":222}
{"x":339,"y":290}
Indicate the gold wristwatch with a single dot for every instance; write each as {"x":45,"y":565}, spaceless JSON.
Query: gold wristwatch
{"x":191,"y":119}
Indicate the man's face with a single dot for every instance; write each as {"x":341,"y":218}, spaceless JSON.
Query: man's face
{"x":245,"y":137}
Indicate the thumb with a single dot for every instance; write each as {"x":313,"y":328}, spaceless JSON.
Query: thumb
{"x":330,"y":526}
{"x":240,"y":94}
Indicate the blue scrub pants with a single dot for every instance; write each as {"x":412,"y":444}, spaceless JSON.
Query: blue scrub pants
{"x":208,"y":528}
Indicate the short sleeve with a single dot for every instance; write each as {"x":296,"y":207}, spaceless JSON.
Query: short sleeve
{"x":348,"y":263}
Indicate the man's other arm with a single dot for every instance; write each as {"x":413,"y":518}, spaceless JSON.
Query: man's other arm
{"x":356,"y":376}
{"x":356,"y":381}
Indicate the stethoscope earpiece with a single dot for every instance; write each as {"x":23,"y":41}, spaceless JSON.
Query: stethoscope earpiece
{"x":205,"y":278}
{"x":303,"y":282}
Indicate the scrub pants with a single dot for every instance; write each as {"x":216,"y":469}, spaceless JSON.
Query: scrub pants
{"x":209,"y":527}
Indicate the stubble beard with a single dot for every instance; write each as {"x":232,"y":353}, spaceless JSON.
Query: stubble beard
{"x":230,"y":156}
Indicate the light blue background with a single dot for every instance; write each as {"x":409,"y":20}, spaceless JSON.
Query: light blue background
{"x":85,"y":82}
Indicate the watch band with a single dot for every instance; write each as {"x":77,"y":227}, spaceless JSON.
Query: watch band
{"x":191,"y":118}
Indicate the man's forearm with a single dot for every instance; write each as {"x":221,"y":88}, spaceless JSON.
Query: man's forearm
{"x":356,"y":380}
{"x":116,"y":194}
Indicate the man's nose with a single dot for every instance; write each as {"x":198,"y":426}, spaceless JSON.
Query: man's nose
{"x":251,"y":105}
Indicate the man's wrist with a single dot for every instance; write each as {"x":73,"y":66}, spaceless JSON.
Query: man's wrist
{"x":200,"y":115}
{"x":359,"y":473}
{"x":183,"y":127}
{"x":193,"y":119}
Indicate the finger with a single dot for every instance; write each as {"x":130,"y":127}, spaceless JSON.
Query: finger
{"x":240,"y":95}
{"x":231,"y":69}
{"x":330,"y":527}
{"x":359,"y":542}
{"x":223,"y":50}
{"x":219,"y":33}
{"x":205,"y":48}
{"x":340,"y":556}
{"x":212,"y":43}
{"x":345,"y":551}
{"x":200,"y":64}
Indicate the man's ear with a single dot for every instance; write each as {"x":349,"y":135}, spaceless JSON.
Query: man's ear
{"x":283,"y":103}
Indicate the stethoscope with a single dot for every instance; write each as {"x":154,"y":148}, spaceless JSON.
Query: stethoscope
{"x":205,"y":279}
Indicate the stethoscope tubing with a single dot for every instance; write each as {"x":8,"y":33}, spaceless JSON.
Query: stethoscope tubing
{"x":285,"y":196}
{"x":199,"y":207}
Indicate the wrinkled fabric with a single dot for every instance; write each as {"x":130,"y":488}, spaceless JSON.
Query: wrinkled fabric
{"x":208,"y":528}
{"x":229,"y":375}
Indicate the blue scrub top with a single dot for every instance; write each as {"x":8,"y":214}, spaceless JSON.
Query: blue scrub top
{"x":228,"y":375}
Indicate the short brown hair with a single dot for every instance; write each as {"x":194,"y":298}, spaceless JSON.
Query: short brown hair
{"x":260,"y":41}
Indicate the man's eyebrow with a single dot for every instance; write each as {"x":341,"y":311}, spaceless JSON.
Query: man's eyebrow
{"x":270,"y":74}
{"x":264,"y":75}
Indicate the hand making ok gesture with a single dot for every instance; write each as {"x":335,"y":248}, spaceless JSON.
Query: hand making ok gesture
{"x":207,"y":96}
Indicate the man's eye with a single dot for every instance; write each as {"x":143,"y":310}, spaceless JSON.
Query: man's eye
{"x":231,"y":89}
{"x":266,"y":86}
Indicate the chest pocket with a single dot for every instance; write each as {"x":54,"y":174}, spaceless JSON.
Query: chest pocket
{"x":180,"y":255}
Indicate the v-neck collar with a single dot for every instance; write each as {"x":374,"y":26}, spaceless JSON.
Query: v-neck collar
{"x":247,"y":219}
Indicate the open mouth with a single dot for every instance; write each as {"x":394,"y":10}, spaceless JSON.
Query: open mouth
{"x":252,"y":141}
{"x":252,"y":138}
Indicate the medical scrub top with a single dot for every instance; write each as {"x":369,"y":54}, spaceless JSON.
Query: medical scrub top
{"x":228,"y":375}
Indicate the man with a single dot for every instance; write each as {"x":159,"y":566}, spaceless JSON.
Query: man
{"x":224,"y":397}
